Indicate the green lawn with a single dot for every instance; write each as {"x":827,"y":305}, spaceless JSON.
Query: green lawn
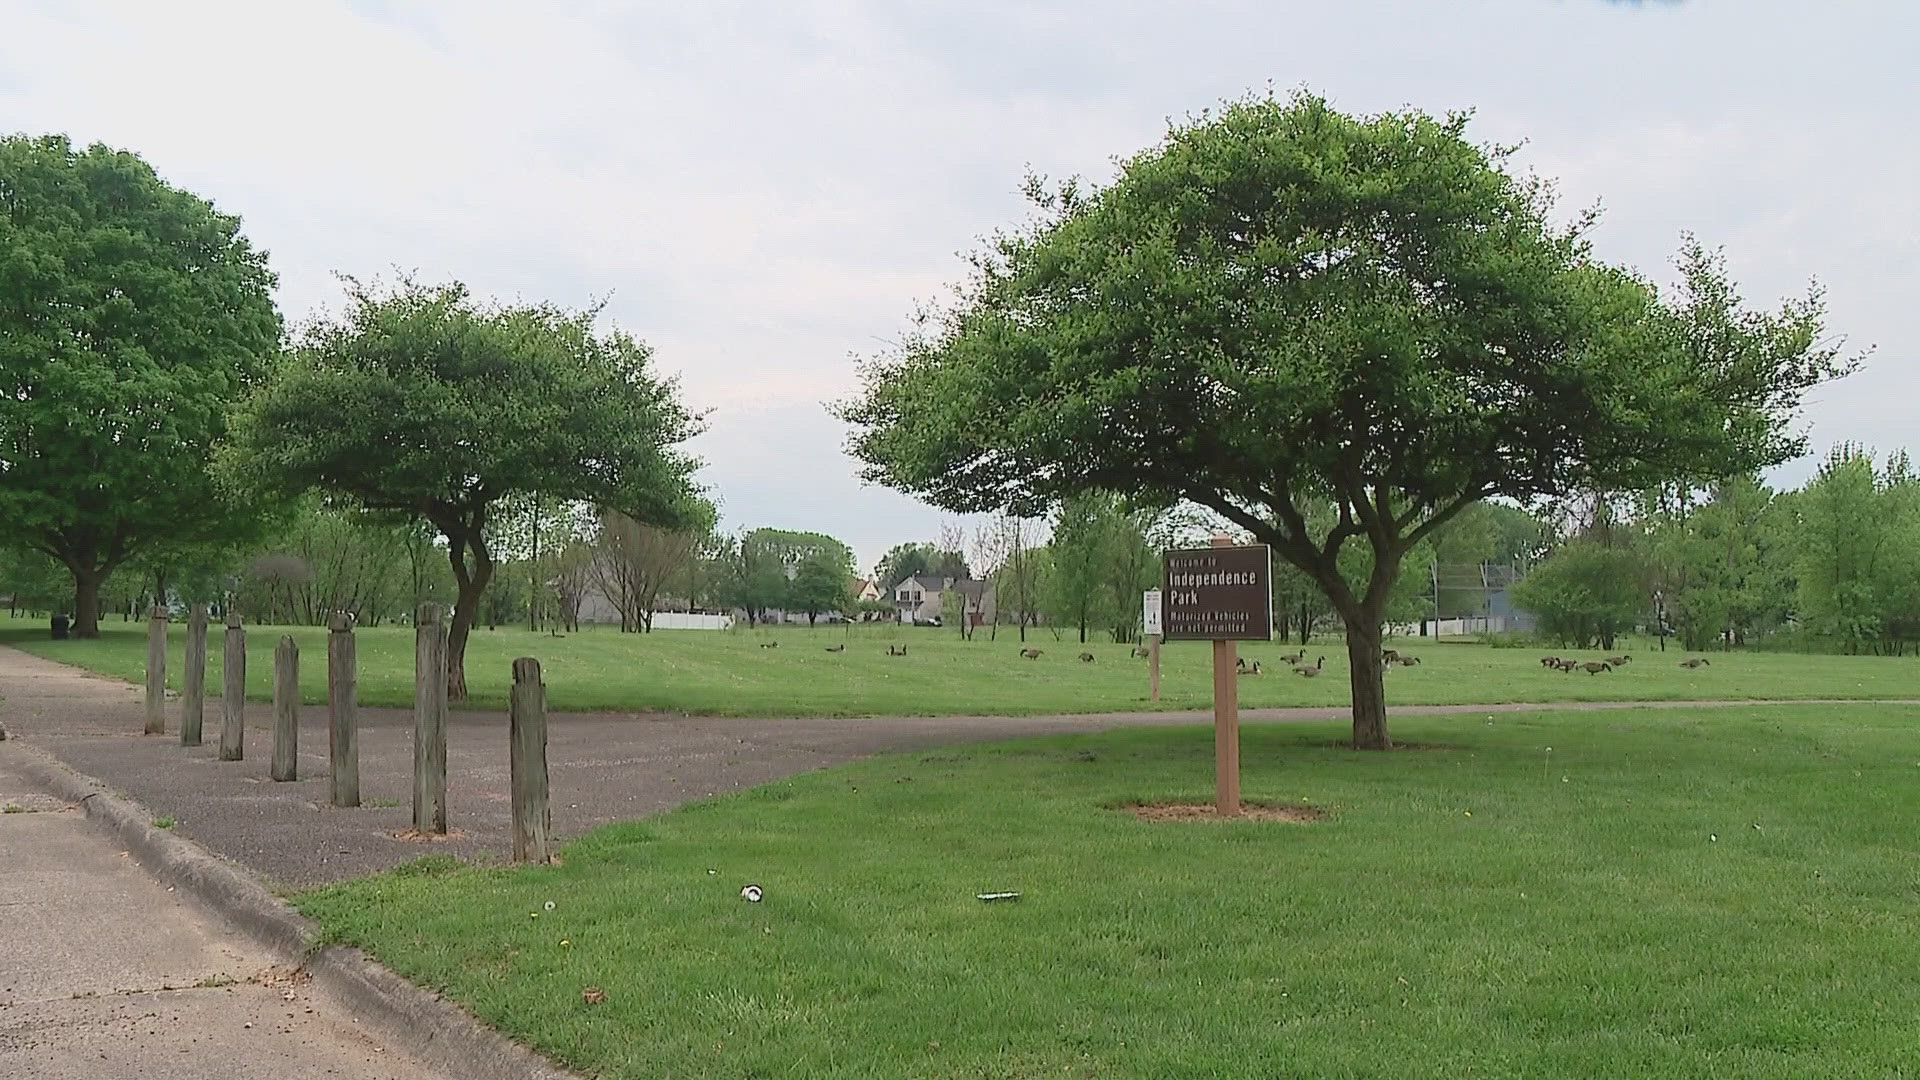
{"x":1660,"y":893}
{"x":729,"y":674}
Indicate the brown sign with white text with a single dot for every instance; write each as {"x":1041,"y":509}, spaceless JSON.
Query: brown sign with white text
{"x":1219,"y":594}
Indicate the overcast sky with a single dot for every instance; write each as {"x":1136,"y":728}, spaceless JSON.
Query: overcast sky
{"x":764,"y":192}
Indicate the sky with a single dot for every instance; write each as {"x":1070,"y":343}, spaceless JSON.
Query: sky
{"x":767,"y":192}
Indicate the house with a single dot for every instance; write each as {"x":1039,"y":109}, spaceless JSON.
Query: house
{"x":922,"y":599}
{"x":866,"y":591}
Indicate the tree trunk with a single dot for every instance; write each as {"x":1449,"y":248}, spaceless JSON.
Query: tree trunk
{"x":1365,"y":670}
{"x":86,"y":600}
{"x":472,"y":583}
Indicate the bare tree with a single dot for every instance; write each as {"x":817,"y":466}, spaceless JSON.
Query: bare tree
{"x":633,"y":562}
{"x":574,"y":572}
{"x":1003,"y":549}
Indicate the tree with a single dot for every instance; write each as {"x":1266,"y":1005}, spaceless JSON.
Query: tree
{"x":1015,"y":567}
{"x":1587,"y":593}
{"x":634,"y":562}
{"x":133,"y":314}
{"x":1280,"y":302}
{"x":423,"y":400}
{"x":1718,"y":560}
{"x":1854,"y":530}
{"x":1076,"y":558}
{"x":822,"y":582}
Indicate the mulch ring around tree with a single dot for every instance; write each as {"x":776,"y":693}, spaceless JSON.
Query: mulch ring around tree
{"x":1291,"y":813}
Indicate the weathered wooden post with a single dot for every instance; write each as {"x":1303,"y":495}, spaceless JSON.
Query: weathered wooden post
{"x":193,"y":681}
{"x":527,"y":764}
{"x":430,"y":720}
{"x":157,"y":672}
{"x":286,"y":710}
{"x":343,"y":740}
{"x":233,"y":692}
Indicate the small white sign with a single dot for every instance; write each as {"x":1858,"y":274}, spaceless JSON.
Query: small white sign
{"x":1150,"y":611}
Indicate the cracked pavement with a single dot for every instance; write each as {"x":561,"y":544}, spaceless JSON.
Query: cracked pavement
{"x":106,"y":973}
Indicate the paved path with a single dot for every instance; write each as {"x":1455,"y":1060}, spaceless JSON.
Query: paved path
{"x":605,"y":767}
{"x":106,"y":973}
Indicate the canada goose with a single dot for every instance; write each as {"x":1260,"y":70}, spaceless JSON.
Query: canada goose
{"x":1142,"y":651}
{"x":1030,"y":654}
{"x":1698,"y":661}
{"x":1391,"y":656}
{"x":896,"y":650}
{"x":769,"y":644}
{"x":1407,"y":661}
{"x":1310,"y":672}
{"x":1595,"y":667}
{"x":1254,"y":670}
{"x":1086,"y":658}
{"x":1617,"y":661}
{"x":1240,"y":663}
{"x":1566,"y":665}
{"x":1295,"y":658}
{"x":1550,"y":661}
{"x":836,"y":648}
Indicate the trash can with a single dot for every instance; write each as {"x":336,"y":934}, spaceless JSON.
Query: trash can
{"x":59,"y":627}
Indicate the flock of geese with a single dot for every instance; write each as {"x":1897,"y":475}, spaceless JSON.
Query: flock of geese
{"x":1595,"y":667}
{"x":1298,"y":660}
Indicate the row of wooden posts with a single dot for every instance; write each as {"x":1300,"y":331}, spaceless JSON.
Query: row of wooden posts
{"x":526,"y":725}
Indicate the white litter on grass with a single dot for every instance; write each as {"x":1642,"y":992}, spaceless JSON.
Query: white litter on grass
{"x":549,"y":905}
{"x":989,"y":897}
{"x":751,"y":894}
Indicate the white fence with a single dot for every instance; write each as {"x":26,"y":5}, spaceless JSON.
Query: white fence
{"x":681,"y":620}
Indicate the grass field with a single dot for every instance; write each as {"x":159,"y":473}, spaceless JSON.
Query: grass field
{"x":1656,"y":893}
{"x":729,"y":674}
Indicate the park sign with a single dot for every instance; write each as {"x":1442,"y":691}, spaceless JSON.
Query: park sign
{"x":1219,"y":594}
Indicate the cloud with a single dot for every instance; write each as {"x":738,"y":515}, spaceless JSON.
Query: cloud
{"x":764,"y":192}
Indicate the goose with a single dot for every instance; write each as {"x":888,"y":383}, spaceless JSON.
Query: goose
{"x":836,"y":648}
{"x":769,"y":644}
{"x":1254,"y":670}
{"x":1310,"y":672}
{"x":1086,"y":658}
{"x":1550,"y":661}
{"x":1030,"y":654}
{"x":1618,"y":661}
{"x":1698,"y":661}
{"x":1595,"y":667}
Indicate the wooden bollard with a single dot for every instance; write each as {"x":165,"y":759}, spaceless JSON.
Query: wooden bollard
{"x":157,"y":672}
{"x":233,"y":692}
{"x":286,"y":710}
{"x":527,"y":764}
{"x":430,"y":721}
{"x":343,"y":740}
{"x":193,"y":681}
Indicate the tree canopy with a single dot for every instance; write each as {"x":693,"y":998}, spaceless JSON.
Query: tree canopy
{"x":1280,"y":303}
{"x":131,"y":315}
{"x":422,"y":399}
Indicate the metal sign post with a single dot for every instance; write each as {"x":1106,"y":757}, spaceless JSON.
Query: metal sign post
{"x":1151,"y":629}
{"x":1222,"y":594}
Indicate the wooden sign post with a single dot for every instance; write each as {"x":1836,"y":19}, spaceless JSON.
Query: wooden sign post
{"x":1222,"y":594}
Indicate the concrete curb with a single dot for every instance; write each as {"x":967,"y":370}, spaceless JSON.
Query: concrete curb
{"x":416,"y":1020}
